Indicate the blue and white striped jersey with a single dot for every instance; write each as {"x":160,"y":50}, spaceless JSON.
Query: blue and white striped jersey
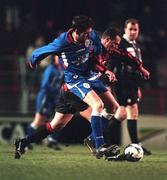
{"x":74,"y":57}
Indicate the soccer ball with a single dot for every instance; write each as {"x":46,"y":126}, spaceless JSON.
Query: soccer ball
{"x":134,"y":152}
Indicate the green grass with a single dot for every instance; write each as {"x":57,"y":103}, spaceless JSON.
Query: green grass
{"x":76,"y":163}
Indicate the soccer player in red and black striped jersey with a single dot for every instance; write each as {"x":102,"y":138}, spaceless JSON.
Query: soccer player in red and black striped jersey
{"x":115,"y":57}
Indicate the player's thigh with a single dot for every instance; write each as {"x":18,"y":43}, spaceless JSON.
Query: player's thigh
{"x":109,"y":101}
{"x":39,"y":119}
{"x":60,"y":120}
{"x":94,"y":101}
{"x":121,"y":113}
{"x":132,"y":111}
{"x":86,"y":113}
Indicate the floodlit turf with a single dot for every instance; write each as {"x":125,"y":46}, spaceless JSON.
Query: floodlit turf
{"x":76,"y":163}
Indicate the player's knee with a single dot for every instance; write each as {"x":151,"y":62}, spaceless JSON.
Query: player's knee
{"x":114,"y":108}
{"x":98,"y":106}
{"x":58,"y":126}
{"x":134,"y":116}
{"x":121,"y":114}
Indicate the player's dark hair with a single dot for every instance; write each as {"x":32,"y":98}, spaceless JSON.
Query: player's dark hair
{"x":111,"y":32}
{"x":131,"y":20}
{"x":81,"y":23}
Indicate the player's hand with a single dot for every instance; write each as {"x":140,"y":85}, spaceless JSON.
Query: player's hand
{"x":139,"y":93}
{"x":145,"y":73}
{"x":32,"y":66}
{"x":111,"y":76}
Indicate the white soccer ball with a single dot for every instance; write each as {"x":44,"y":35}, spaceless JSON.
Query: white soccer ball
{"x":135,"y":150}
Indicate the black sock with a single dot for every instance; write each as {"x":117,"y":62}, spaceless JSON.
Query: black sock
{"x":38,"y":135}
{"x":112,"y":133}
{"x":132,"y":128}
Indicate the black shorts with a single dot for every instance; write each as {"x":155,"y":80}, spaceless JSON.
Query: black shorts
{"x":69,"y":103}
{"x":126,"y":92}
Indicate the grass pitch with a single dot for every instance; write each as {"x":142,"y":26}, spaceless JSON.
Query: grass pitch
{"x":76,"y":163}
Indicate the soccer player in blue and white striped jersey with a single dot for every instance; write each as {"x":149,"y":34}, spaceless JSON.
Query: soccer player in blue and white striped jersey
{"x":73,"y":49}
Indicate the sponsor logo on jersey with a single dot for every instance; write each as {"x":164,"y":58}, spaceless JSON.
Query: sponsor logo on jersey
{"x":81,"y":59}
{"x":80,"y":50}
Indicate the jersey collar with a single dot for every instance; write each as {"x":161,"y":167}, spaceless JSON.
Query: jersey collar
{"x":127,"y":39}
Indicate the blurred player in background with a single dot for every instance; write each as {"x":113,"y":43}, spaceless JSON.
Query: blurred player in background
{"x":33,"y":78}
{"x":46,"y":100}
